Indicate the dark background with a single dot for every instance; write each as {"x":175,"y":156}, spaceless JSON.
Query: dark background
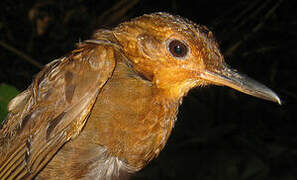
{"x":220,"y":134}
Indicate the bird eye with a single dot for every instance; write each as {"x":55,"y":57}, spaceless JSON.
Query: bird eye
{"x":177,"y":48}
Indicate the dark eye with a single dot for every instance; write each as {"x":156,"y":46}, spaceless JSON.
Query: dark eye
{"x":177,"y":48}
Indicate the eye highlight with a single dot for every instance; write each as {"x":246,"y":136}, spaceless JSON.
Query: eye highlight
{"x":177,"y":48}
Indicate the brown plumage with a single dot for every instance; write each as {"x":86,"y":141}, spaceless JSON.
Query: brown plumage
{"x":106,"y":109}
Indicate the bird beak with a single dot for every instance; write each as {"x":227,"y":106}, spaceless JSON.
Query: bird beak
{"x":240,"y":82}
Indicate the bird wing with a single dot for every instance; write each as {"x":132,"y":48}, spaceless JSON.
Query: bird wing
{"x":53,"y":109}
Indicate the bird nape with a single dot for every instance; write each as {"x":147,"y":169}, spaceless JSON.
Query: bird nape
{"x":107,"y":109}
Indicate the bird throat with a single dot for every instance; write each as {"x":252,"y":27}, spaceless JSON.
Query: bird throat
{"x":135,"y":122}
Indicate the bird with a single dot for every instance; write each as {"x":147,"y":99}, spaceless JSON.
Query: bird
{"x":107,"y":108}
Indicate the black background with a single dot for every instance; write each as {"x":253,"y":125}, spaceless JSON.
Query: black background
{"x":220,"y":133}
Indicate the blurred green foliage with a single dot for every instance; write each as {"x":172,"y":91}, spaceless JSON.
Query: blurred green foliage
{"x":7,"y":92}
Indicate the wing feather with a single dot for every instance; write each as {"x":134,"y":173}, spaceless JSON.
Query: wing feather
{"x":53,"y":109}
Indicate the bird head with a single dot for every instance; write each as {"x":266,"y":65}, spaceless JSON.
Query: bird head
{"x":176,"y":55}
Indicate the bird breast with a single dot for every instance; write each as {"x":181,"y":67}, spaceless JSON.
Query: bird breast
{"x":128,"y":126}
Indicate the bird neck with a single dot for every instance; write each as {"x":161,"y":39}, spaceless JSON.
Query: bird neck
{"x":134,"y":118}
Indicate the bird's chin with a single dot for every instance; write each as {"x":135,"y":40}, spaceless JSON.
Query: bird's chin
{"x":182,"y":89}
